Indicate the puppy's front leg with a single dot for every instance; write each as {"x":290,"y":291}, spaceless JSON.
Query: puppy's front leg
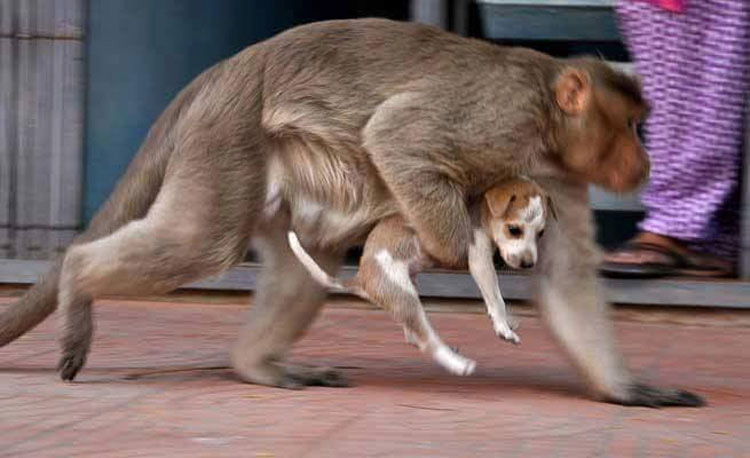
{"x":483,"y":271}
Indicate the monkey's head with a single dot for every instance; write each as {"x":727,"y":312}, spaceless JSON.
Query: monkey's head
{"x":514,"y":215}
{"x":597,"y":134}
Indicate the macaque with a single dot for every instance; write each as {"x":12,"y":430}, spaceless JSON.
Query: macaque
{"x":325,"y":130}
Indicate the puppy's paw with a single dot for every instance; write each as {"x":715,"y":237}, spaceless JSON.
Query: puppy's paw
{"x":454,"y":362}
{"x":505,"y":332}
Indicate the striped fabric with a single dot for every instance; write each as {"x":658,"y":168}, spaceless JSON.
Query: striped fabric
{"x":695,"y":67}
{"x":671,"y":5}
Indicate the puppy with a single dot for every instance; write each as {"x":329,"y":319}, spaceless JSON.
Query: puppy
{"x":512,"y":214}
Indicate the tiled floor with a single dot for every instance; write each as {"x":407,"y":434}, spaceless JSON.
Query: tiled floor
{"x":157,"y":385}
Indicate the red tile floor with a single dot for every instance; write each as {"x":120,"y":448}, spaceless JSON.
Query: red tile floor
{"x":157,"y":385}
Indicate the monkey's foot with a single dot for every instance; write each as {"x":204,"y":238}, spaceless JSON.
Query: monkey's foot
{"x":75,"y":348}
{"x":71,"y":362}
{"x":317,"y":376}
{"x":649,"y":396}
{"x":292,"y":377}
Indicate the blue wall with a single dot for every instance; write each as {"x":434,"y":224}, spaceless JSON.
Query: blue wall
{"x":142,"y":52}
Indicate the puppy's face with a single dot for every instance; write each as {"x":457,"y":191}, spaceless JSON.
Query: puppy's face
{"x":515,"y":215}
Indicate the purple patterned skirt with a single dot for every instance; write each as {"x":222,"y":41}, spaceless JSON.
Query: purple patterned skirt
{"x":695,"y":67}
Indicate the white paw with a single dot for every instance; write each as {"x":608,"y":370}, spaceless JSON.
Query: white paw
{"x":504,"y":331}
{"x":454,"y":362}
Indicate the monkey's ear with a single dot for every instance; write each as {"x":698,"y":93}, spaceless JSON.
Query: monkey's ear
{"x":573,"y":90}
{"x":498,"y":201}
{"x":551,"y":208}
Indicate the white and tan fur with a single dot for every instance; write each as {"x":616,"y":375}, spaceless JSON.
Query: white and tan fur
{"x":511,"y":214}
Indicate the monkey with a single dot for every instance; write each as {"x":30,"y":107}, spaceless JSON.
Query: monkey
{"x":326,"y":129}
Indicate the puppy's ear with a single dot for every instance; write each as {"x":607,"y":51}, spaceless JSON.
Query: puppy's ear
{"x":551,"y":208}
{"x":573,"y":91}
{"x":498,"y":200}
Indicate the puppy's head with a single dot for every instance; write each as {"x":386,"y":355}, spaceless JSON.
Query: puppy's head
{"x":515,"y":214}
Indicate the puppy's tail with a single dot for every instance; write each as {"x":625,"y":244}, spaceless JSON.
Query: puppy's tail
{"x":316,"y":272}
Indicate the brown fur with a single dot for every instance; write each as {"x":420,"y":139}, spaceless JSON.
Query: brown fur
{"x":343,"y":123}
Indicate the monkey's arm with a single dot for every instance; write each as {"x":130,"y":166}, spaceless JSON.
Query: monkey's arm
{"x":410,"y":151}
{"x":573,"y":304}
{"x":483,"y":271}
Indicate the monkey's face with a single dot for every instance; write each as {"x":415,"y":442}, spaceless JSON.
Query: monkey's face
{"x":517,"y":217}
{"x":601,"y":143}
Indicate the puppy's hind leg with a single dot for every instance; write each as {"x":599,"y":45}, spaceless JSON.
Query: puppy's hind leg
{"x":390,"y":286}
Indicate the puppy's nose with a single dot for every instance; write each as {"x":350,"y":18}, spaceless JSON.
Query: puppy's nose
{"x":526,"y":264}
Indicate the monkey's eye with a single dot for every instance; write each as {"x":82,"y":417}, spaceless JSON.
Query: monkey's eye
{"x":514,"y":230}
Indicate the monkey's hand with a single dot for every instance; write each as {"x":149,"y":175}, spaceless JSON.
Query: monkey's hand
{"x":650,"y":396}
{"x":415,"y":159}
{"x":436,"y":210}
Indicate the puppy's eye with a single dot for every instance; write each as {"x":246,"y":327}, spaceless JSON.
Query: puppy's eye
{"x":540,"y":234}
{"x":514,"y":230}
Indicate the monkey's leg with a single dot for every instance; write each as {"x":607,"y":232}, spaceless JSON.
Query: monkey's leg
{"x":198,"y":226}
{"x":286,"y":302}
{"x":389,"y":285}
{"x":572,"y":301}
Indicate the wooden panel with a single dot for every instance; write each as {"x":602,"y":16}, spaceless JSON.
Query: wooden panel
{"x":432,"y":12}
{"x":8,"y":17}
{"x":602,"y":200}
{"x":667,"y":292}
{"x":41,"y":125}
{"x":30,"y":19}
{"x":744,"y":260}
{"x":7,"y":141}
{"x":582,"y":21}
{"x":49,"y":146}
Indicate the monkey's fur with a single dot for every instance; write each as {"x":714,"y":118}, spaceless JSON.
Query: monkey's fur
{"x":326,"y":129}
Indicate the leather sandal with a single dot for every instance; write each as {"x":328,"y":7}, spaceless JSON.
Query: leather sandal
{"x":673,"y":263}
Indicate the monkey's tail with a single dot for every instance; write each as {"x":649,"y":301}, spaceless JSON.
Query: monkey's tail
{"x":317,"y":273}
{"x":131,"y":199}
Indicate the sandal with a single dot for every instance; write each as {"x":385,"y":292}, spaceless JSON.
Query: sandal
{"x":672,"y":263}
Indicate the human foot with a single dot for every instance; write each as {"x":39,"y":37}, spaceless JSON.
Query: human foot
{"x":650,"y":255}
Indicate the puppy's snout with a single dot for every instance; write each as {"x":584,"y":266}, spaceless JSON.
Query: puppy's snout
{"x":527,"y":264}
